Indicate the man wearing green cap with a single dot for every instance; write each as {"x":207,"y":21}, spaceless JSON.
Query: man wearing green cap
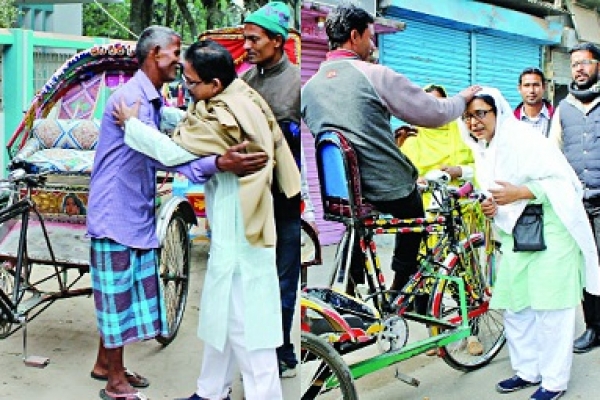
{"x":278,"y":82}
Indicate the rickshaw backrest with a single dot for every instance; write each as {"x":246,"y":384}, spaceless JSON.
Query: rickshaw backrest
{"x":339,"y":175}
{"x":78,"y":89}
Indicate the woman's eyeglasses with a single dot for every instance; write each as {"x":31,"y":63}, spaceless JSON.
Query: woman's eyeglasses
{"x":477,"y":114}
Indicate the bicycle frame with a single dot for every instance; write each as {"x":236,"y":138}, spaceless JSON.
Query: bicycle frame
{"x":444,"y":264}
{"x":453,"y":333}
{"x":436,"y":263}
{"x":455,"y":330}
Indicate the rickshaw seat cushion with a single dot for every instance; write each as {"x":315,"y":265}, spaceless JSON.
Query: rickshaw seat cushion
{"x":341,"y":207}
{"x":62,"y":145}
{"x":63,"y":160}
{"x":77,"y":134}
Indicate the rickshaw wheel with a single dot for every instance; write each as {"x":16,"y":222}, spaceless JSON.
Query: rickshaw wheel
{"x":323,"y":371}
{"x":7,"y":282}
{"x":174,"y":274}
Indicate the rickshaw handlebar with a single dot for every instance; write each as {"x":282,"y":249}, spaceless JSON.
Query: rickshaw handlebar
{"x":23,"y":172}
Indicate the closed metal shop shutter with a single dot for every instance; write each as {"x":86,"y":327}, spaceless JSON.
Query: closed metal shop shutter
{"x":499,"y":62}
{"x":561,"y":67}
{"x":313,"y":53}
{"x":428,"y":54}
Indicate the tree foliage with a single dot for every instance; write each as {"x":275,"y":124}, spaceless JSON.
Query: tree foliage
{"x":188,"y":17}
{"x":8,"y":13}
{"x":98,"y":23}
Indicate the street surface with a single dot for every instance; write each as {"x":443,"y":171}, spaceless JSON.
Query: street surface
{"x":66,"y":333}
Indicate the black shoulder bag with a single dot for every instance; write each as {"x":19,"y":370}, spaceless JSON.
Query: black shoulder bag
{"x":528,"y":233}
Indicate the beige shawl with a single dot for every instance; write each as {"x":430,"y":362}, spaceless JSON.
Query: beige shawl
{"x":239,"y":113}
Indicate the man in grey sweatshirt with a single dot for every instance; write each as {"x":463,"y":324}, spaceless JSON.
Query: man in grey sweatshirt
{"x":357,"y":98}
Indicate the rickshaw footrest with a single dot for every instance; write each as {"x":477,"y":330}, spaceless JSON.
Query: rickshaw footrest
{"x":36,"y":361}
{"x":407,"y":379}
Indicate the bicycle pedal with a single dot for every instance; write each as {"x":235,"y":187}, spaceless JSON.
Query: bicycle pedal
{"x":407,"y":379}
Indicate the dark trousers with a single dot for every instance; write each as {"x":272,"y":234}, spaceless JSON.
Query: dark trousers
{"x":591,"y":303}
{"x":404,"y":260}
{"x":288,"y":269}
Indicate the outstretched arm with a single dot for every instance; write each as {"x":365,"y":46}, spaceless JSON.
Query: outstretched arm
{"x":160,"y":147}
{"x":155,"y":144}
{"x":148,"y":140}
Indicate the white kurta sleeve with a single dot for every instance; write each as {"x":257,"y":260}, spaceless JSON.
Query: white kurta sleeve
{"x":155,"y":144}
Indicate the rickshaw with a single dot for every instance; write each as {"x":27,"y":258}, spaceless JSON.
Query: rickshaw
{"x":44,"y":250}
{"x":455,"y":277}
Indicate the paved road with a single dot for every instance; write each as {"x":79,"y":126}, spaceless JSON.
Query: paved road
{"x":66,"y":333}
{"x":438,"y":380}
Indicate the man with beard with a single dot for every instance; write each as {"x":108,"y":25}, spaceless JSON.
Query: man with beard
{"x":575,"y":128}
{"x":534,"y":109}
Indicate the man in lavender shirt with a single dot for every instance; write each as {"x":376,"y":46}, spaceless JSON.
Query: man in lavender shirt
{"x":121,"y":216}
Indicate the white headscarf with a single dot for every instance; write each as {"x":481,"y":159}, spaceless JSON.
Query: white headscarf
{"x":518,"y":154}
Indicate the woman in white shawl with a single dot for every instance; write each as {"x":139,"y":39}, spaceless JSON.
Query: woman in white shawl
{"x":539,"y":291}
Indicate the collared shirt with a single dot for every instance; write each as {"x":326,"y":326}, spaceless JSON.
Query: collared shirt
{"x":121,"y":204}
{"x":541,"y":123}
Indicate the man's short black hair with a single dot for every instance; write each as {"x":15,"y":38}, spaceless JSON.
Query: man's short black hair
{"x":436,"y":88}
{"x":587,"y":46}
{"x":342,"y":20}
{"x":535,"y":71}
{"x":211,"y":61}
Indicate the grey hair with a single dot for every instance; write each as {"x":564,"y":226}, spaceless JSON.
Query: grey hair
{"x":155,"y":35}
{"x":342,"y":20}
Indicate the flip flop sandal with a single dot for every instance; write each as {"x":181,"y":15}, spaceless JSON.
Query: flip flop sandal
{"x":134,"y":379}
{"x":106,"y":395}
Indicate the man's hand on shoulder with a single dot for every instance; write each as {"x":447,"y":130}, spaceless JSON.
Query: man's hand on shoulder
{"x":122,"y":112}
{"x":241,"y":163}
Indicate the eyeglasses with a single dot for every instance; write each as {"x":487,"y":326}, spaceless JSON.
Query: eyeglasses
{"x":190,"y":84}
{"x":477,"y":114}
{"x":583,"y":62}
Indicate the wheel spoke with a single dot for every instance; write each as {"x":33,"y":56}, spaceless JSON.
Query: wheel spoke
{"x":174,"y":277}
{"x":324,"y":375}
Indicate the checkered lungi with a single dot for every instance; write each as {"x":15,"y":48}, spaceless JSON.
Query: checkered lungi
{"x":127,"y":294}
